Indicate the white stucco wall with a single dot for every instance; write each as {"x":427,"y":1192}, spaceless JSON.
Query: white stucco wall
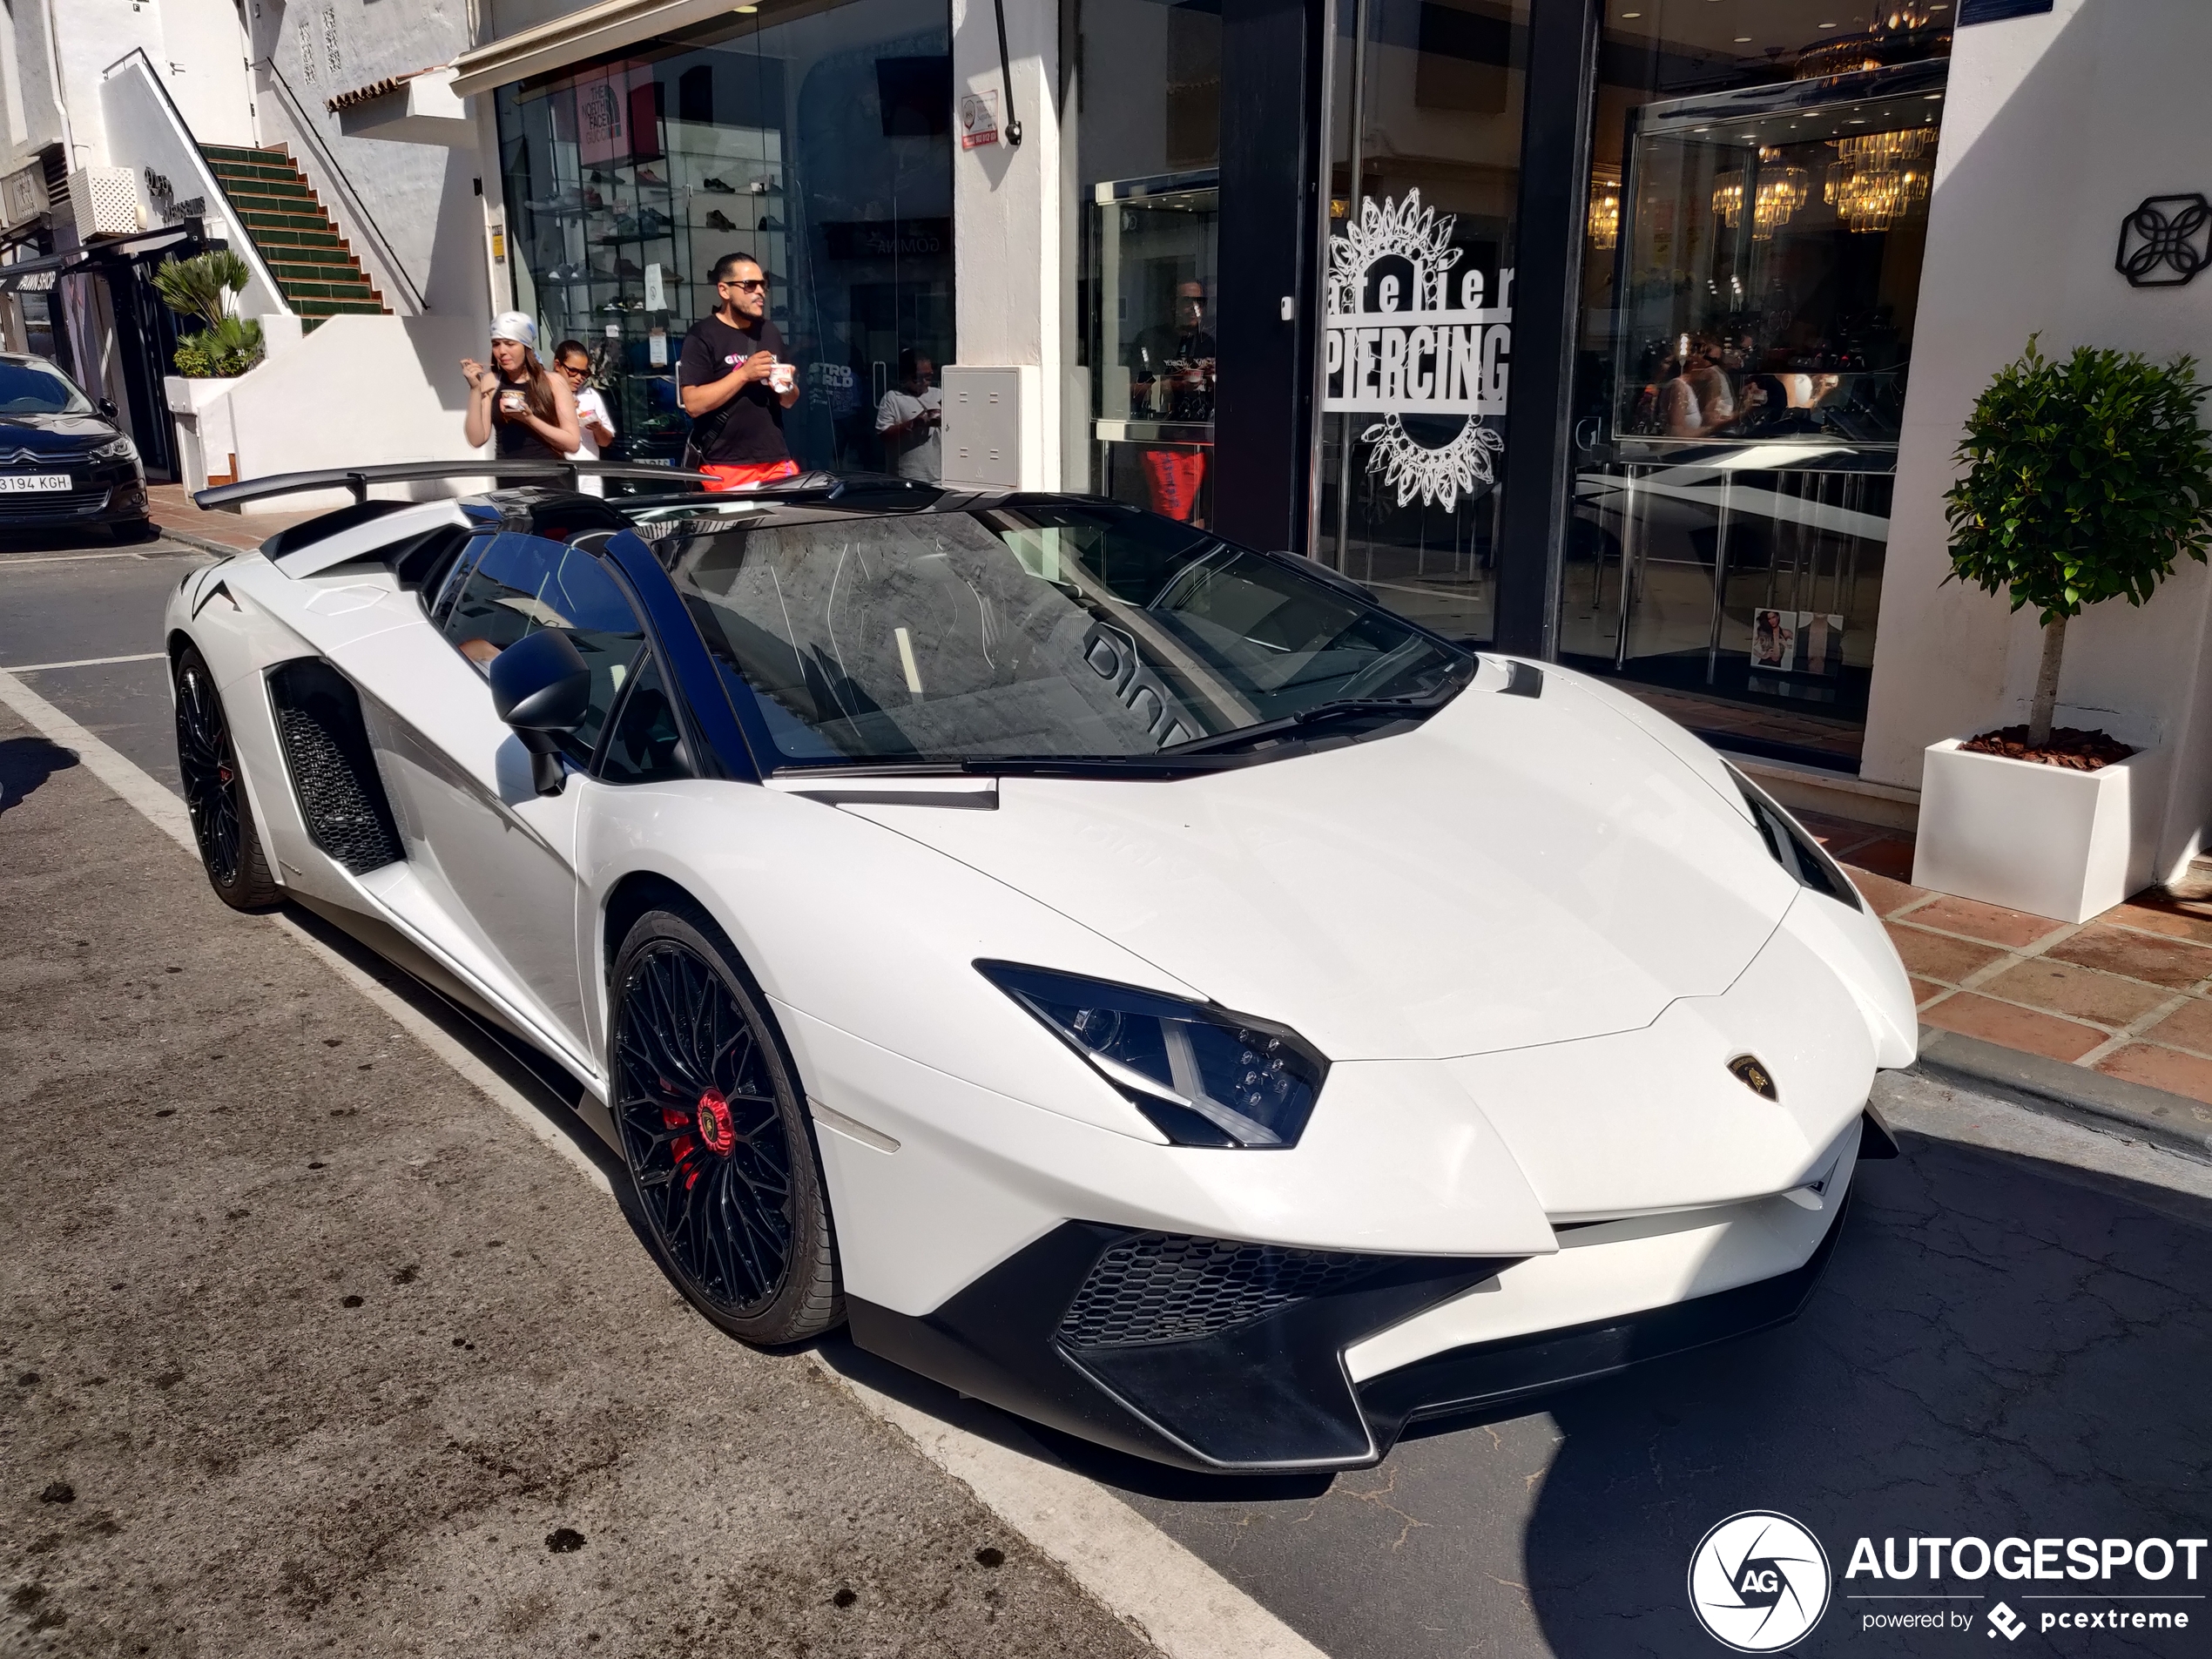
{"x":202,"y":55}
{"x":1012,"y":218}
{"x":421,"y":198}
{"x":2054,"y":128}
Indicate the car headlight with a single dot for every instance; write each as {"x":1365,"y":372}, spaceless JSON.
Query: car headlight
{"x":116,"y":449}
{"x":1805,"y":859}
{"x":1204,"y":1076}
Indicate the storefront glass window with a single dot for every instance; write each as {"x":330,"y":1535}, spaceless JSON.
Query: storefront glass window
{"x":1751,"y":270}
{"x":1419,"y":337}
{"x":819,"y":141}
{"x":1147,"y":108}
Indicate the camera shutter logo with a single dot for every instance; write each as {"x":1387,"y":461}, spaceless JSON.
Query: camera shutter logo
{"x":1758,"y":1581}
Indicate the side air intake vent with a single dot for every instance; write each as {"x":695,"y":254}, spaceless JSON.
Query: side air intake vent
{"x":1165,"y":1287}
{"x":325,"y":748}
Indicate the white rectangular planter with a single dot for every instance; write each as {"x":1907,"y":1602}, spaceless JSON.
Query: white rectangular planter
{"x":2040,"y":839}
{"x":203,"y":425}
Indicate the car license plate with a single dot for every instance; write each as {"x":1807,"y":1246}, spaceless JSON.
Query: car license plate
{"x":20,"y":483}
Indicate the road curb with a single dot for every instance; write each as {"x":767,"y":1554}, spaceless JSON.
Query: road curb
{"x":2075,"y":1093}
{"x":204,"y":543}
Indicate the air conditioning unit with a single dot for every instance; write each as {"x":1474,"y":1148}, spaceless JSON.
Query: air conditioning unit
{"x":106,"y":201}
{"x":23,"y":196}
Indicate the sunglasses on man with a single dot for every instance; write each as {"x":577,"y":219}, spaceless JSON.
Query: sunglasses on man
{"x":748,"y":284}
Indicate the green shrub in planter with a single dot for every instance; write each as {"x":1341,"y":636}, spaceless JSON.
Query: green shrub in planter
{"x":2084,"y":480}
{"x":226,"y":349}
{"x":201,"y":287}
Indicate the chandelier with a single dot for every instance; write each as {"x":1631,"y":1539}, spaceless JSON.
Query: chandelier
{"x":1775,"y":200}
{"x":1877,"y":178}
{"x":1894,"y":30}
{"x":1605,"y":208}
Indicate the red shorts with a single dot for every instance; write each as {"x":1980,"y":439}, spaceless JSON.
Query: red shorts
{"x":751,"y":475}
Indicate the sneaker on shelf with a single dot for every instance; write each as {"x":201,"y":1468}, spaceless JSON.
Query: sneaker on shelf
{"x":652,"y":222}
{"x":625,"y":268}
{"x":770,"y":222}
{"x":647,"y":175}
{"x":593,"y":200}
{"x":595,"y":177}
{"x":766,"y":185}
{"x":564,"y":274}
{"x":564,"y":200}
{"x":603,"y":273}
{"x":717,"y":220}
{"x":716,"y":186}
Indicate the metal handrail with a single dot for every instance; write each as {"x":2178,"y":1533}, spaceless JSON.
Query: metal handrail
{"x":304,"y":124}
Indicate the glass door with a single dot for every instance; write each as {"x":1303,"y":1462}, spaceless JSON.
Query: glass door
{"x":1418,"y":337}
{"x":1751,"y":270}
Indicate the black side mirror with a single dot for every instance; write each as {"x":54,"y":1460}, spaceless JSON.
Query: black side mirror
{"x":107,"y":407}
{"x":541,"y":685}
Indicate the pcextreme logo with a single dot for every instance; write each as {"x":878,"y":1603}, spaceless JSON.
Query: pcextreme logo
{"x":1758,"y":1581}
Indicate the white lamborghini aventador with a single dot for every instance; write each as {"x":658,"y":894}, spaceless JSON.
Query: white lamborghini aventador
{"x":1128,"y":977}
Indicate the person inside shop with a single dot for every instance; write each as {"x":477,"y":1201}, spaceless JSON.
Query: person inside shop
{"x":908,"y":417}
{"x":735,"y":385}
{"x":523,"y":412}
{"x":1172,"y":370}
{"x":593,"y":421}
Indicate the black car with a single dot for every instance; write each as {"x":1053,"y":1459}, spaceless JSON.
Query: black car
{"x":63,"y":462}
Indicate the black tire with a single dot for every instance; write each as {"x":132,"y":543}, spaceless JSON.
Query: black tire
{"x":222,"y":819}
{"x":715,"y":1131}
{"x":132,"y":532}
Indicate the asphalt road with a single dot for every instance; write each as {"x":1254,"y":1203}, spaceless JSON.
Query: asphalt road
{"x":325,"y":1347}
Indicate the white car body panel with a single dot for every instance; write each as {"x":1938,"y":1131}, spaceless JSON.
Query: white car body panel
{"x":1529,"y":937}
{"x":1449,"y":892}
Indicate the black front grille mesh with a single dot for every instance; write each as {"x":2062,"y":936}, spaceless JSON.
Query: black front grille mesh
{"x":326,"y":748}
{"x":1167,"y":1287}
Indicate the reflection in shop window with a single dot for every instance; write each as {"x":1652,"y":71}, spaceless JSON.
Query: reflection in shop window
{"x":1750,"y":277}
{"x":820,"y":144}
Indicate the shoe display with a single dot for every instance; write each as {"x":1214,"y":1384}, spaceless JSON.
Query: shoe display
{"x":770,"y":222}
{"x":766,"y":185}
{"x":652,"y":222}
{"x":564,"y":200}
{"x":629,"y":268}
{"x":716,"y":221}
{"x":595,"y":177}
{"x":647,"y":175}
{"x":716,"y":186}
{"x":593,"y":200}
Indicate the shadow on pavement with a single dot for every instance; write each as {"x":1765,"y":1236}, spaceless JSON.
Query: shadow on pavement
{"x":2001,"y":1348}
{"x":25,"y":763}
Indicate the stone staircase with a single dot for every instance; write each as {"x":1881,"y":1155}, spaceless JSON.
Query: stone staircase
{"x":318,"y":272}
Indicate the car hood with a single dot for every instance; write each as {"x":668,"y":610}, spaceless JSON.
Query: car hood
{"x":1518,"y":870}
{"x":52,"y":433}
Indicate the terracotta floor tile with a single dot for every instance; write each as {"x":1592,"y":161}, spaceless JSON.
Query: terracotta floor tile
{"x":2159,"y":918}
{"x":1886,"y":896}
{"x":2082,"y":992}
{"x":1987,"y":921}
{"x":2162,"y":962}
{"x":2186,"y":1027}
{"x":2014,"y":1027}
{"x":1934,"y":956}
{"x":1891,"y":855}
{"x":1924,"y":990}
{"x":2156,"y":1067}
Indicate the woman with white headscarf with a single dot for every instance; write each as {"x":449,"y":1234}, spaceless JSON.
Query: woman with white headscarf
{"x":527,"y":414}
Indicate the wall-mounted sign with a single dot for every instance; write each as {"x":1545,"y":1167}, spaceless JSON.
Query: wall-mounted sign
{"x":2165,"y":241}
{"x":656,"y":288}
{"x":1411,"y":334}
{"x":979,"y":119}
{"x":23,"y":196}
{"x":161,"y":197}
{"x":881,"y":239}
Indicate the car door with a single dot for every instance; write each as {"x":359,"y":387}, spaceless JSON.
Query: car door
{"x":488,"y":858}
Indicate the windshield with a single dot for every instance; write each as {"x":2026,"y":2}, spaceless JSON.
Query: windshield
{"x":33,"y":388}
{"x":1045,"y":631}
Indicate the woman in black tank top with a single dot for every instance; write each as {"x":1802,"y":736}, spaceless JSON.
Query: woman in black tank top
{"x":525,"y":412}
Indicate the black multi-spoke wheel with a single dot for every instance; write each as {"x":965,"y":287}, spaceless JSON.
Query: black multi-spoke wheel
{"x":214,"y":792}
{"x":715,"y":1137}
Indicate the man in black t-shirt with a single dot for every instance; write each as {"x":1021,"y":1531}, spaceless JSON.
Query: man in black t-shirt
{"x":732,"y":384}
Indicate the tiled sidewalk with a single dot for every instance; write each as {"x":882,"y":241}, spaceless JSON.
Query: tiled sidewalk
{"x":171,"y":508}
{"x":2127,"y":994}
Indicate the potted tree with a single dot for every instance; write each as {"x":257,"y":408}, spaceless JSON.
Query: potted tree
{"x":209,"y":360}
{"x":2084,"y":480}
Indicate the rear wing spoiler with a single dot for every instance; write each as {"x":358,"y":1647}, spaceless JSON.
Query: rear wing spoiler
{"x":231,"y":497}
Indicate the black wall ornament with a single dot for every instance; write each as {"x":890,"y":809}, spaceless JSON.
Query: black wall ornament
{"x":2165,"y":241}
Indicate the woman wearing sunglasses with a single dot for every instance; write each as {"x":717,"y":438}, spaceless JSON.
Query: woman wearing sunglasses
{"x":592,"y":420}
{"x":733,"y":384}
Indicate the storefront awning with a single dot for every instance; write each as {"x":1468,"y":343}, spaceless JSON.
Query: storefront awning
{"x":36,"y":274}
{"x":606,"y":27}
